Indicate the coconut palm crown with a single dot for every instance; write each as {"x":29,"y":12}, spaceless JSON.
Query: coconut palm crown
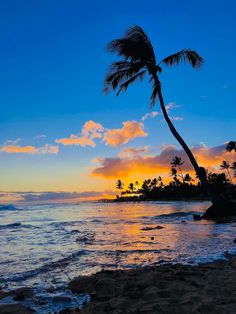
{"x":138,"y":59}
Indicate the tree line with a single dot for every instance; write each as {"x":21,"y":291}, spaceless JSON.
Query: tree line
{"x":181,"y":186}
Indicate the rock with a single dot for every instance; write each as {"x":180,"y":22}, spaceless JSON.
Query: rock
{"x":221,"y":210}
{"x":151,"y":228}
{"x":196,"y":217}
{"x":19,"y":297}
{"x":15,"y":308}
{"x":234,"y":240}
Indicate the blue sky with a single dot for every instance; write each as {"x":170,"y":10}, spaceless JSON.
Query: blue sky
{"x":53,"y":61}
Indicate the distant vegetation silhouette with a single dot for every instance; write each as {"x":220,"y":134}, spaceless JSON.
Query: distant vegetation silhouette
{"x":186,"y":188}
{"x":137,"y":60}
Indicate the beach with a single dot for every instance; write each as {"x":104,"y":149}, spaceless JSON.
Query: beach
{"x":169,"y":289}
{"x":209,"y":288}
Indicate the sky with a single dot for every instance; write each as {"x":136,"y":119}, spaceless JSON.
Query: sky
{"x":61,"y":135}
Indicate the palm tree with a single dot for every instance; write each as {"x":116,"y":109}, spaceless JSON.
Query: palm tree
{"x":160,"y":180}
{"x":131,"y":187}
{"x":226,"y":166}
{"x":119,"y":186}
{"x":173,"y":174}
{"x":137,"y":59}
{"x":136,"y":186}
{"x":154,"y":183}
{"x":234,"y":168}
{"x":177,"y":162}
{"x":231,"y":146}
{"x":187,"y":178}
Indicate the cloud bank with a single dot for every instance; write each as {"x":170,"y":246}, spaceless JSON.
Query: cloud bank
{"x":126,"y":165}
{"x":53,"y":197}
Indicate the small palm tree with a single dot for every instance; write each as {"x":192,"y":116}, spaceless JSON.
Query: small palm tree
{"x":137,"y":60}
{"x":173,"y":174}
{"x":154,"y":183}
{"x":187,"y":178}
{"x":161,"y":182}
{"x":226,"y":166}
{"x":177,"y":162}
{"x":131,"y":187}
{"x":136,"y":184}
{"x":233,"y":167}
{"x":119,"y":186}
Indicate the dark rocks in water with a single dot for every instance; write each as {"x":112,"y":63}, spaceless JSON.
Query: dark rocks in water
{"x":151,"y":228}
{"x":19,"y":297}
{"x":221,"y":210}
{"x":234,"y":240}
{"x":196,"y":217}
{"x":15,"y":308}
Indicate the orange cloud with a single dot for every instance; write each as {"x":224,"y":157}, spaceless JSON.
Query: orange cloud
{"x":17,"y":149}
{"x":137,"y":165}
{"x":129,"y":131}
{"x":76,"y":140}
{"x":91,"y":130}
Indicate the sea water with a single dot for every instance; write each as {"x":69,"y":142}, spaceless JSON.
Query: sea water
{"x":45,"y":246}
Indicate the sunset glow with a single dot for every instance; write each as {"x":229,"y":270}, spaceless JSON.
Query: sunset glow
{"x":61,"y":134}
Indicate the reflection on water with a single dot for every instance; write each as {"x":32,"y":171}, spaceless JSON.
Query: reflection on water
{"x":50,"y":244}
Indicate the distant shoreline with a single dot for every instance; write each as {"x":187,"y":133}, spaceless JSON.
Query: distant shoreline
{"x":135,"y":200}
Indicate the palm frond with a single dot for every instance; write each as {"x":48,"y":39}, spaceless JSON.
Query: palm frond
{"x":119,"y":72}
{"x":185,"y":55}
{"x":124,"y":86}
{"x":135,"y":45}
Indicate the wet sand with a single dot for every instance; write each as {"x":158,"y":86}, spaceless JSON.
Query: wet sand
{"x":169,"y":289}
{"x":209,"y":288}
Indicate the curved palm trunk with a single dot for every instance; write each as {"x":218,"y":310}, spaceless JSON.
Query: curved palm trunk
{"x":199,"y":171}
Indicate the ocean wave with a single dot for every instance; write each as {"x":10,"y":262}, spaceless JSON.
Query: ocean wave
{"x":8,"y":207}
{"x":11,"y":226}
{"x":16,"y":225}
{"x":174,"y":215}
{"x":63,"y":262}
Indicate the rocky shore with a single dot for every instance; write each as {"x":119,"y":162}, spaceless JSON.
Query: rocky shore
{"x":172,"y":289}
{"x":167,"y":289}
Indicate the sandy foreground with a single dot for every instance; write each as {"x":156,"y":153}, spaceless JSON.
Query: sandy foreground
{"x":208,"y":288}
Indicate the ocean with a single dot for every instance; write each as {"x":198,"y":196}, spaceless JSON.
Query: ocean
{"x":45,"y":246}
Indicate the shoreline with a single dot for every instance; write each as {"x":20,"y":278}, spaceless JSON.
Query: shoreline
{"x":206,"y":288}
{"x":135,"y":200}
{"x":168,"y":289}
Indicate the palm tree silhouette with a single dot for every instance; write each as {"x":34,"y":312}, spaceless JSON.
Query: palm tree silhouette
{"x":233,"y":167}
{"x":226,"y":166}
{"x":177,"y":162}
{"x":120,"y":186}
{"x":131,"y":187}
{"x":138,"y":59}
{"x":187,"y":178}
